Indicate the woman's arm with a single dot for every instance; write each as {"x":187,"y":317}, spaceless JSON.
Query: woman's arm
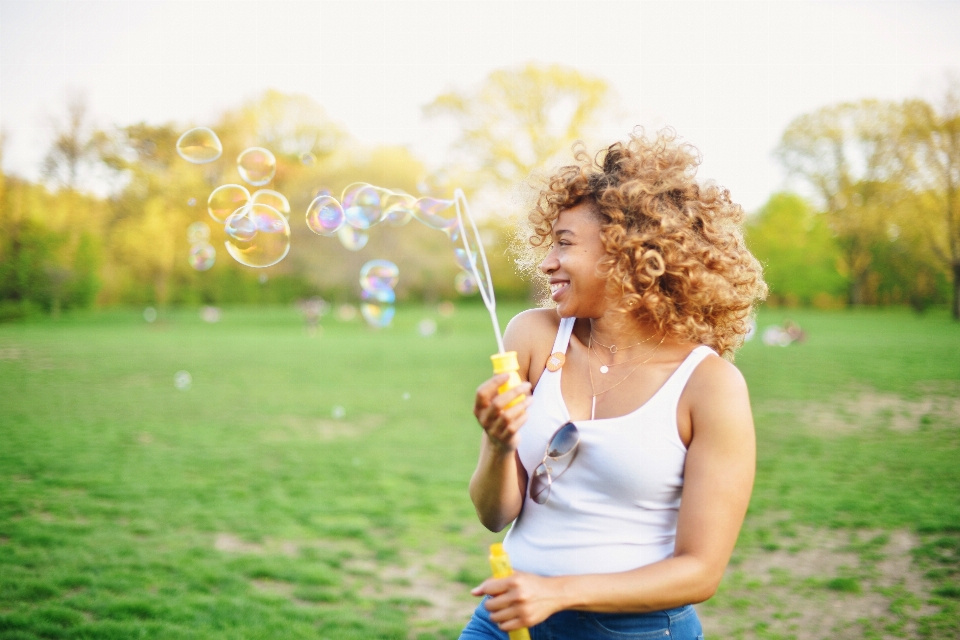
{"x":500,"y":481}
{"x":718,"y":479}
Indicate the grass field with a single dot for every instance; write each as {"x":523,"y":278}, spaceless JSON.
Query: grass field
{"x":242,"y":508}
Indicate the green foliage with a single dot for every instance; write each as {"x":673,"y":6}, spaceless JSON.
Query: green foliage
{"x":797,"y":250}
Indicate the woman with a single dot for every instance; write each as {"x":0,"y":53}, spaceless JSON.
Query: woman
{"x":627,"y":472}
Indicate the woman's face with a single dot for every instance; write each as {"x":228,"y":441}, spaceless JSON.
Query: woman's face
{"x":571,"y":264}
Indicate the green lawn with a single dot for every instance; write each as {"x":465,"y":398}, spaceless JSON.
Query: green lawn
{"x":241,"y":508}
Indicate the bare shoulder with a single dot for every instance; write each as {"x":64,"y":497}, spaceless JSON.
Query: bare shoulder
{"x":717,"y":396}
{"x":531,"y":334}
{"x":717,"y":376}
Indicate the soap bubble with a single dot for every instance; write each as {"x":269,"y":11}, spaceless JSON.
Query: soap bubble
{"x":379,"y":274}
{"x":338,"y":412}
{"x":405,"y":396}
{"x":150,"y":314}
{"x":182,"y":380}
{"x":377,"y":315}
{"x":465,"y":283}
{"x":346,"y":312}
{"x":324,"y":215}
{"x":259,"y":235}
{"x":361,"y":205}
{"x":351,"y":238}
{"x":427,"y":327}
{"x":428,"y":210}
{"x":199,"y":146}
{"x":462,"y":258}
{"x":226,"y":199}
{"x":192,"y":202}
{"x":202,"y":256}
{"x":210,"y":314}
{"x":446,"y":309}
{"x":273,"y":199}
{"x":263,"y":278}
{"x":397,"y":208}
{"x":378,"y":296}
{"x":307,"y":158}
{"x":198,"y":232}
{"x":257,"y":166}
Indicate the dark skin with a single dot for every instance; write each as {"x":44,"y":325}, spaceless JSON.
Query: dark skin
{"x":714,"y":423}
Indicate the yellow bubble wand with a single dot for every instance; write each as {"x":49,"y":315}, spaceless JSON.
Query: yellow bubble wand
{"x":503,"y":361}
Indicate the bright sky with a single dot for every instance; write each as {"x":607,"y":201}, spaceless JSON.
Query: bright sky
{"x":729,"y":76}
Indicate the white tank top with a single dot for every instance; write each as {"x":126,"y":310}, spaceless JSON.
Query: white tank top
{"x":615,"y":507}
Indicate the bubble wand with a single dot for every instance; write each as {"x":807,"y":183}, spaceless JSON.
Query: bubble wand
{"x":503,"y":361}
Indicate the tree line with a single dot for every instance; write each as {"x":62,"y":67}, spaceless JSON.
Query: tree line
{"x":875,"y":220}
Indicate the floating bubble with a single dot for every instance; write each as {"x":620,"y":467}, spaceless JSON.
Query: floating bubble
{"x":192,"y":202}
{"x":427,"y":327}
{"x":182,"y":380}
{"x":428,"y":211}
{"x":257,"y":166}
{"x":307,"y":158}
{"x":226,"y":199}
{"x":263,"y":278}
{"x":199,"y":146}
{"x":150,"y":314}
{"x":202,"y":256}
{"x":377,"y":315}
{"x":346,"y":312}
{"x":273,"y":199}
{"x":405,"y":396}
{"x":751,"y":331}
{"x":361,"y":205}
{"x":446,"y":309}
{"x":463,"y":259}
{"x":198,"y":232}
{"x":379,"y":274}
{"x":338,"y":412}
{"x":378,"y":296}
{"x":259,"y":235}
{"x":397,"y":208}
{"x":324,"y":215}
{"x":351,"y":238}
{"x":465,"y":283}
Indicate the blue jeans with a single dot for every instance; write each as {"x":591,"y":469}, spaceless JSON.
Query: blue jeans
{"x":681,"y":623}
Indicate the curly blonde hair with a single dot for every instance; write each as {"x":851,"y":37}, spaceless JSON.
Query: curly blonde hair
{"x":675,"y":254}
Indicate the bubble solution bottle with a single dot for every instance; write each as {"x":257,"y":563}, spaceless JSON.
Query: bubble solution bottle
{"x":500,"y":564}
{"x":507,"y":363}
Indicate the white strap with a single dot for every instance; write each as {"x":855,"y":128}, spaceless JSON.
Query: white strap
{"x":563,"y":335}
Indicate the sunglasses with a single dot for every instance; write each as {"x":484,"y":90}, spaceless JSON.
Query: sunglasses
{"x":561,"y":450}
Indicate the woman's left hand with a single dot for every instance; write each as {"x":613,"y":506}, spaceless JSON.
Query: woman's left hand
{"x":520,"y":600}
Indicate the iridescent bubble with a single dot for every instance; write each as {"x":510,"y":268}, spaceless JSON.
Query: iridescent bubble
{"x":379,"y":274}
{"x":351,"y":238}
{"x":198,"y":232}
{"x":226,"y":199}
{"x":361,"y":205}
{"x":257,"y":166}
{"x":182,"y":380}
{"x":427,"y":327}
{"x":199,"y":146}
{"x":428,"y":211}
{"x":397,"y":208}
{"x":192,"y":202}
{"x":377,"y":315}
{"x":378,"y":296}
{"x":150,"y":314}
{"x":307,"y":158}
{"x":273,"y":199}
{"x":338,"y":412}
{"x":202,"y":256}
{"x":259,"y":235}
{"x":465,"y":283}
{"x":324,"y":215}
{"x":465,"y":260}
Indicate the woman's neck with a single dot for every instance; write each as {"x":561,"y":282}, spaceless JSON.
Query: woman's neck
{"x":620,"y":332}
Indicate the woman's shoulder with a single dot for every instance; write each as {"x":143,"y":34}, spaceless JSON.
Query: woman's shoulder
{"x":534,"y":323}
{"x":531,"y":334}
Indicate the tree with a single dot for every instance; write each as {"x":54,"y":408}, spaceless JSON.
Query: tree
{"x":850,"y":154}
{"x":75,"y":146}
{"x":934,"y":139}
{"x":519,"y":119}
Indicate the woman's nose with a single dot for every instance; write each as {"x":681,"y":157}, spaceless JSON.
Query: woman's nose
{"x":549,"y":264}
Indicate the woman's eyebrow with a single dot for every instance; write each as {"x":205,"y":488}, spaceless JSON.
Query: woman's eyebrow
{"x":559,"y":232}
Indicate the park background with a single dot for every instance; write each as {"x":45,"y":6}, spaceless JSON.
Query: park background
{"x":314,"y":484}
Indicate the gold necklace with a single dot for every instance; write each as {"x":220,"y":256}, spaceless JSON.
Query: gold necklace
{"x":612,"y":348}
{"x":604,"y":368}
{"x":593,"y":391}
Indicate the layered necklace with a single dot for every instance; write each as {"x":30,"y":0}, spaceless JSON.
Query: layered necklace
{"x":604,"y":368}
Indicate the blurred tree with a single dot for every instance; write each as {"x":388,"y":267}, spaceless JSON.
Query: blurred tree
{"x":519,"y":119}
{"x":798,"y":251}
{"x":850,"y":154}
{"x":75,"y":146}
{"x":933,"y":141}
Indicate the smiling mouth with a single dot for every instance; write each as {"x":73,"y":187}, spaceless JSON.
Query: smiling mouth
{"x":557,"y":287}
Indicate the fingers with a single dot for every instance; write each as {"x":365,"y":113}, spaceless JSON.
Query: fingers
{"x":508,"y":396}
{"x":487,"y":391}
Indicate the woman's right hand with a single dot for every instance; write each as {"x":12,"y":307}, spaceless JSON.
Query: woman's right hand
{"x":501,"y":424}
